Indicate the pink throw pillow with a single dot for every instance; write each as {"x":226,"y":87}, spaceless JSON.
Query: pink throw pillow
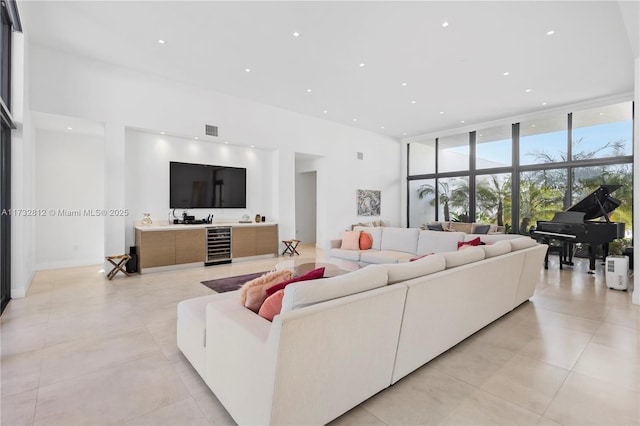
{"x":350,"y":240}
{"x":272,"y":306}
{"x":253,"y":293}
{"x":311,"y":275}
{"x":366,"y":241}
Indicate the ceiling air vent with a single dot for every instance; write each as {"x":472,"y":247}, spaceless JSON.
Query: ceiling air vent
{"x":210,"y":130}
{"x":360,"y":156}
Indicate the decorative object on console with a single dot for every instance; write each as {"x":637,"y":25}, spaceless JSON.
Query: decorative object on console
{"x":368,"y":202}
{"x":258,"y":218}
{"x":146,"y":220}
{"x":264,"y":219}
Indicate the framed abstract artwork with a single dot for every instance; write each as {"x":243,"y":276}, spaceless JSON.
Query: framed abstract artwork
{"x":368,"y":202}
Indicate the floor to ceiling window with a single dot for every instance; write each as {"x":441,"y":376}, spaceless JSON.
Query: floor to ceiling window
{"x":9,"y":22}
{"x":516,"y":175}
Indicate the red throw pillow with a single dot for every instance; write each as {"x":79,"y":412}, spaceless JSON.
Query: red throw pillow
{"x":311,"y":275}
{"x":366,"y":241}
{"x":272,"y":306}
{"x":474,"y":242}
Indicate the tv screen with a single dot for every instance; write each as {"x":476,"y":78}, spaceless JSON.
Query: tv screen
{"x":201,"y":186}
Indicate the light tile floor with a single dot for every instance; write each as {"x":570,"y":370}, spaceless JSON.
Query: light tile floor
{"x":82,"y":350}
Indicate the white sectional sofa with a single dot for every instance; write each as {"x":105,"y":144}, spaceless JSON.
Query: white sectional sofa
{"x":338,"y":341}
{"x":397,"y":245}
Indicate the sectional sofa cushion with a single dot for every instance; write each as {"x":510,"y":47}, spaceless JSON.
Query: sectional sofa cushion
{"x":436,"y":242}
{"x":424,"y":266}
{"x":435,"y":227}
{"x":385,"y":256}
{"x":353,"y":255}
{"x":376,"y":235}
{"x":458,"y":258}
{"x":489,"y":239}
{"x":522,"y":243}
{"x":400,"y":239}
{"x":307,"y":293}
{"x":496,"y":249}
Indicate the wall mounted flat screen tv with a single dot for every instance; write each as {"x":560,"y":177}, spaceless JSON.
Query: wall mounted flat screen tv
{"x":201,"y":186}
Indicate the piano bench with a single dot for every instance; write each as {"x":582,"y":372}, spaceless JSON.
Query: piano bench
{"x":556,"y":249}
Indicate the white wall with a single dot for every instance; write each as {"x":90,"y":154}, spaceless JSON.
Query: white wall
{"x":69,"y":187}
{"x":147,"y":176}
{"x":306,"y":206}
{"x":68,"y":85}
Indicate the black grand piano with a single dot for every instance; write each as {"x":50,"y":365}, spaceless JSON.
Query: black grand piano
{"x":578,"y":224}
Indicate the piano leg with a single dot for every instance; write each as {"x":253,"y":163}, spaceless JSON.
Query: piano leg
{"x":592,"y":259}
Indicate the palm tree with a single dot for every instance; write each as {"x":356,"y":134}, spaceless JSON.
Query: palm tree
{"x":456,"y":196}
{"x":492,"y":195}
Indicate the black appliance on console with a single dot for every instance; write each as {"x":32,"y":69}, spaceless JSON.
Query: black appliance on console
{"x":577,"y":224}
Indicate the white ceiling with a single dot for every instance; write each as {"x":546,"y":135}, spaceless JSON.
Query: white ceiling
{"x":457,"y":70}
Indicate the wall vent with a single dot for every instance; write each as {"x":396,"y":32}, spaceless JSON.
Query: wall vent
{"x":210,"y":130}
{"x":360,"y":156}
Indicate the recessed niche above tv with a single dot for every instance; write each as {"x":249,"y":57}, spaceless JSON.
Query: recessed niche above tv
{"x":202,"y":186}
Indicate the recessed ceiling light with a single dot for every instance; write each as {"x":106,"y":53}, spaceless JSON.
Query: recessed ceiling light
{"x":296,"y":34}
{"x":309,"y":90}
{"x":195,"y":137}
{"x":506,"y":73}
{"x":544,"y":103}
{"x":462,"y":121}
{"x":602,"y":113}
{"x":161,"y":41}
{"x":404,"y":134}
{"x":528,"y":90}
{"x":247,"y":70}
{"x":533,"y":125}
{"x":441,"y":112}
{"x":551,"y":32}
{"x":445,"y":24}
{"x":226,"y":142}
{"x":355,"y":119}
{"x":69,"y":128}
{"x":382,"y":127}
{"x":252,"y":146}
{"x":403,"y":84}
{"x":413,"y":102}
{"x":361,"y":64}
{"x":162,"y":133}
{"x":325,"y":111}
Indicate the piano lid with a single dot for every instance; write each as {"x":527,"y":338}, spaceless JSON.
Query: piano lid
{"x":598,"y":203}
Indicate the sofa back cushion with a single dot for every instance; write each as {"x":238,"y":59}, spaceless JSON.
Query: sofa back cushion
{"x":522,"y":243}
{"x":436,"y":242}
{"x":307,"y":293}
{"x":376,"y":235}
{"x":496,"y":249}
{"x":409,"y":270}
{"x":489,"y":239}
{"x":400,"y":239}
{"x":458,"y":258}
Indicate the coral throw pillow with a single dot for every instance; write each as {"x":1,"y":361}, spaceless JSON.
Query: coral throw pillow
{"x":464,"y":244}
{"x":366,"y":241}
{"x":253,"y":293}
{"x":350,"y":240}
{"x":272,"y":306}
{"x":311,"y":275}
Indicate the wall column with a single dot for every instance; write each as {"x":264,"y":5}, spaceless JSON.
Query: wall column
{"x":114,"y":189}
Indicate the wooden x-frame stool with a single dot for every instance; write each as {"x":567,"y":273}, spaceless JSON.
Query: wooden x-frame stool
{"x":119,"y":265}
{"x":290,"y":247}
